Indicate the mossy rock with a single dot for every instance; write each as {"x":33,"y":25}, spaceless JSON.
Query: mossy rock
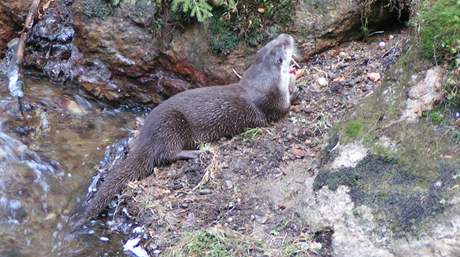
{"x":412,"y":168}
{"x":97,"y":8}
{"x":401,"y":198}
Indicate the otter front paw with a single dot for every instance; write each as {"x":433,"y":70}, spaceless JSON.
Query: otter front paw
{"x":295,"y":96}
{"x":294,"y":92}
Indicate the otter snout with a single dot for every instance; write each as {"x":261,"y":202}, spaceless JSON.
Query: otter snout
{"x":286,"y":40}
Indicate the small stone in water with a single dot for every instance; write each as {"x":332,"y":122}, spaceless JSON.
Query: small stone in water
{"x":104,"y":239}
{"x":73,"y":107}
{"x":382,"y":44}
{"x":138,"y":230}
{"x":391,"y":37}
{"x":134,"y":247}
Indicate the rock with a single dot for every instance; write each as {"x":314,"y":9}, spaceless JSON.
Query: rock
{"x":344,"y":55}
{"x":335,"y":208}
{"x":49,"y":45}
{"x":12,"y":15}
{"x":322,"y":81}
{"x":382,"y":44}
{"x":123,"y":59}
{"x":120,"y":56}
{"x":349,"y":156}
{"x":73,"y":107}
{"x":133,"y":246}
{"x":391,"y":175}
{"x":373,"y":76}
{"x":323,"y":24}
{"x":424,"y":95}
{"x":299,"y":152}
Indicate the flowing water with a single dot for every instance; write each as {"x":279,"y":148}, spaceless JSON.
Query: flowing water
{"x":46,"y":163}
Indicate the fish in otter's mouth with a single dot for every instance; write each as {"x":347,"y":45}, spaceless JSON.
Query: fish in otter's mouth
{"x":294,"y":67}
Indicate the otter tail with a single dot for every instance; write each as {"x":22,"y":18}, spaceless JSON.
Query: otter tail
{"x":133,"y":168}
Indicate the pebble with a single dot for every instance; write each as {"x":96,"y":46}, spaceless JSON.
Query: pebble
{"x":373,"y":76}
{"x":343,"y":55}
{"x":391,"y":37}
{"x":205,"y":191}
{"x":104,"y":239}
{"x":322,"y":81}
{"x":382,"y":44}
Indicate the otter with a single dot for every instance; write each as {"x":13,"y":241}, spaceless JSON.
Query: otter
{"x":176,"y":126}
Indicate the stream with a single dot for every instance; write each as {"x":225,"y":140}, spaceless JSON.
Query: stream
{"x":46,"y":163}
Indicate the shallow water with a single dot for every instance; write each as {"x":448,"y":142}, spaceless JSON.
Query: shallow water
{"x":46,"y":163}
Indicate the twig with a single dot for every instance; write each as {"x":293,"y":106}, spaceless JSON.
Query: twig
{"x":376,"y":32}
{"x":321,"y":71}
{"x":236,"y":73}
{"x":295,"y":63}
{"x":16,"y":81}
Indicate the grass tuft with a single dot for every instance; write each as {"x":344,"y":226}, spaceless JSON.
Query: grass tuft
{"x":440,"y":30}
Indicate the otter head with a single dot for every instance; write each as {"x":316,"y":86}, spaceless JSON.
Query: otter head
{"x":277,"y":54}
{"x":269,"y":74}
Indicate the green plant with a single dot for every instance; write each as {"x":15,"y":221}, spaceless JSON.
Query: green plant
{"x":252,"y":133}
{"x":200,"y":9}
{"x":207,"y":245}
{"x":250,"y":21}
{"x":353,"y":128}
{"x":97,"y":8}
{"x":436,"y":117}
{"x":452,"y":91}
{"x":223,"y":39}
{"x":440,"y":30}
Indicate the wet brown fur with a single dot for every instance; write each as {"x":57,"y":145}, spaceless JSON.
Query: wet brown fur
{"x":203,"y":115}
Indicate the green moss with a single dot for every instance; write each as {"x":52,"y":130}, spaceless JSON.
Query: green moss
{"x":452,"y":90}
{"x":216,"y":242}
{"x":380,"y":150}
{"x":223,"y":38}
{"x":440,"y":29}
{"x":436,"y":117}
{"x":254,"y":23}
{"x":206,"y":245}
{"x":354,"y":128}
{"x":97,"y":8}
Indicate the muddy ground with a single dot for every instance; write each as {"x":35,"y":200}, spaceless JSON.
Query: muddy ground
{"x":251,"y":185}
